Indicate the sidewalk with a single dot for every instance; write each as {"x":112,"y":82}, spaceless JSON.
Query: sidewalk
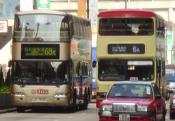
{"x":6,"y":109}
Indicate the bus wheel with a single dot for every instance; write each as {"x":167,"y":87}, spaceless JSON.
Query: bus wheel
{"x":20,"y":109}
{"x":74,"y":105}
{"x":86,"y":100}
{"x":75,"y":97}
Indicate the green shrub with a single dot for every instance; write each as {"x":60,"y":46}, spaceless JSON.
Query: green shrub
{"x":4,"y":86}
{"x":4,"y":89}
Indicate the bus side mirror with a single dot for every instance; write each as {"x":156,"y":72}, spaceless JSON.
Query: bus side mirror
{"x":94,"y":64}
{"x":158,"y":68}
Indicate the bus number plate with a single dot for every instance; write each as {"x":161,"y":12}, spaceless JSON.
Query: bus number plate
{"x":39,"y":100}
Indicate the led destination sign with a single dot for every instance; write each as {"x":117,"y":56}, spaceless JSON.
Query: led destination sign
{"x":40,"y":51}
{"x":126,"y":48}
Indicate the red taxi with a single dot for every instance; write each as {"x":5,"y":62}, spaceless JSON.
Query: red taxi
{"x":133,"y":101}
{"x":172,"y":106}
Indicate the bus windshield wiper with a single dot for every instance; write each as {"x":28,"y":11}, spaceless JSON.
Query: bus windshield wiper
{"x":37,"y":29}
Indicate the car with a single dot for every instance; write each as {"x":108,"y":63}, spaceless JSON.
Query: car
{"x":170,"y":83}
{"x":172,"y":106}
{"x":133,"y":101}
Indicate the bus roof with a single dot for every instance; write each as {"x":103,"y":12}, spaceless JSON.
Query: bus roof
{"x":49,"y":12}
{"x":39,"y":11}
{"x":127,"y":13}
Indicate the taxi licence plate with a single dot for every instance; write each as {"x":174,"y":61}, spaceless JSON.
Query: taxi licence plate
{"x":124,"y":117}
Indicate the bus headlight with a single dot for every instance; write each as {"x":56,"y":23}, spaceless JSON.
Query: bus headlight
{"x":19,"y":94}
{"x":60,"y":95}
{"x":142,"y":108}
{"x":106,"y":110}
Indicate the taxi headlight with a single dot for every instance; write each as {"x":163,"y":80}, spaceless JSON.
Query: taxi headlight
{"x":173,"y":103}
{"x":106,"y":110}
{"x":142,"y":108}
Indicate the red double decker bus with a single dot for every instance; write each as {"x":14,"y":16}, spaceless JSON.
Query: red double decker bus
{"x":130,"y":46}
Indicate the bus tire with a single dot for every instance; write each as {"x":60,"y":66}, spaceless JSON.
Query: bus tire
{"x":75,"y":97}
{"x":90,"y":95}
{"x":85,"y":100}
{"x":20,"y":109}
{"x":74,"y":104}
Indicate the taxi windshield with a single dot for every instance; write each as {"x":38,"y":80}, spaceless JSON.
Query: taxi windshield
{"x":130,"y":90}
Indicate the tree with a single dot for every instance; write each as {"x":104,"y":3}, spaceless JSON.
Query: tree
{"x":1,"y":78}
{"x":8,"y":79}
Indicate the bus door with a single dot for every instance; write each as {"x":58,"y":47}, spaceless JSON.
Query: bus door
{"x":79,"y":82}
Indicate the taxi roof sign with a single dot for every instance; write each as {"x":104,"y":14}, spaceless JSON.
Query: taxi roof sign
{"x":3,"y":26}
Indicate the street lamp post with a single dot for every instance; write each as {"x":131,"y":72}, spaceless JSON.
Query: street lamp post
{"x":172,"y":55}
{"x":87,"y":8}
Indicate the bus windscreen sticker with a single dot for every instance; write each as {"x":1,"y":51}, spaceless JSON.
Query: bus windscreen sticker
{"x":126,"y":48}
{"x":40,"y":51}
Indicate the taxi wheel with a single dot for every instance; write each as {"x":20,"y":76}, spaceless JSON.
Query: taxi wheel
{"x":164,"y":114}
{"x":154,"y":117}
{"x":171,"y":115}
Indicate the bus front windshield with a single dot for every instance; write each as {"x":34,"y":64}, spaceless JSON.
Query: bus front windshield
{"x":42,"y":27}
{"x":41,"y":72}
{"x":119,"y":70}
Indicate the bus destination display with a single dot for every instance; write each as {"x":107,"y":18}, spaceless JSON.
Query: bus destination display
{"x":40,"y":51}
{"x":126,"y":48}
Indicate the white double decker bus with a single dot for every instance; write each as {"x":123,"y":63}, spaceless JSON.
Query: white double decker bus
{"x":51,"y":60}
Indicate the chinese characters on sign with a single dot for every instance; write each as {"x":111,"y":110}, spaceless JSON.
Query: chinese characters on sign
{"x":42,"y":4}
{"x":40,"y":51}
{"x":3,"y":26}
{"x":126,"y":49}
